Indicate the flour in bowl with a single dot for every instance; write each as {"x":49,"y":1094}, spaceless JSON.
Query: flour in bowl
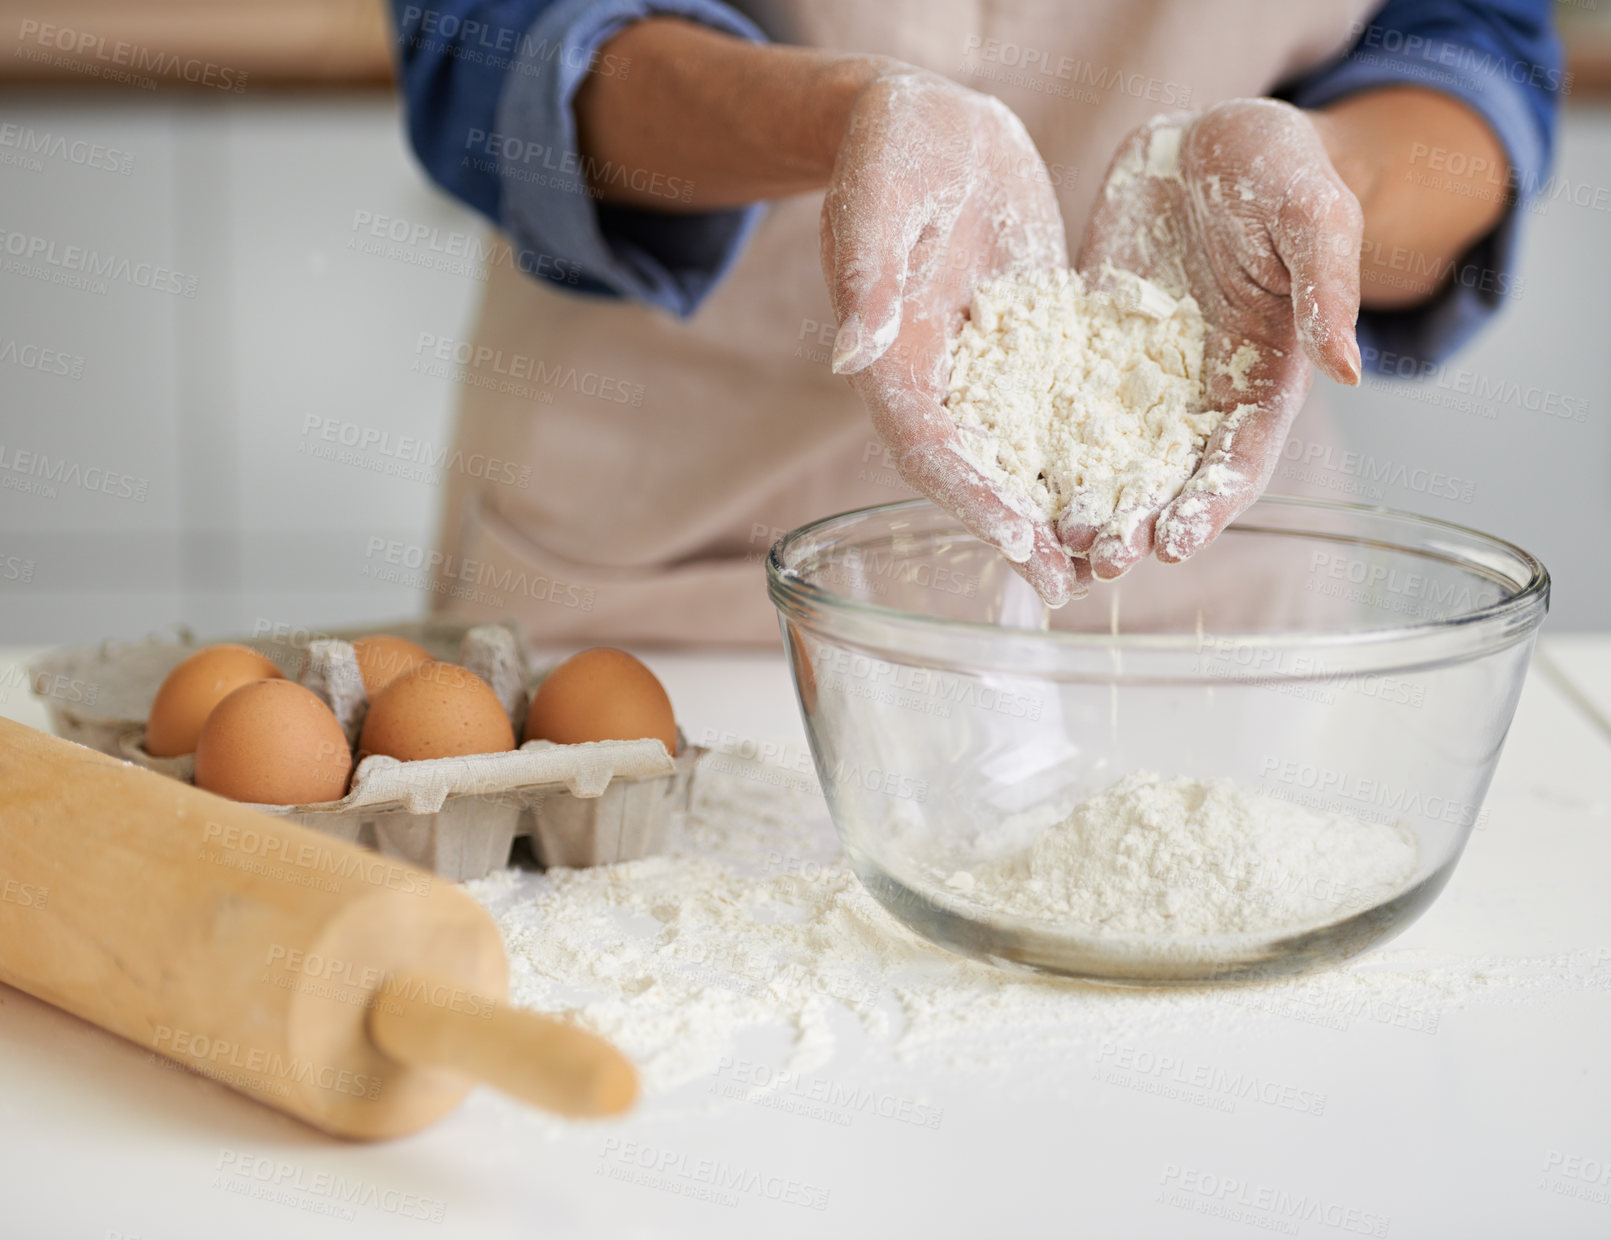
{"x":1163,"y":858}
{"x":752,"y":923}
{"x":1087,"y":401}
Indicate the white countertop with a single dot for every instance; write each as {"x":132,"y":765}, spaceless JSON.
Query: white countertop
{"x":1483,"y":1118}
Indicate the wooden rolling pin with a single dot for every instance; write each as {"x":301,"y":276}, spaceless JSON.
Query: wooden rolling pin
{"x":358,"y":993}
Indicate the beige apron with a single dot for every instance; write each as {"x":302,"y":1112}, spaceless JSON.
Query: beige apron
{"x":665,"y":456}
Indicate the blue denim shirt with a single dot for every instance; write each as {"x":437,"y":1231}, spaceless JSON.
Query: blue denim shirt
{"x":488,"y":87}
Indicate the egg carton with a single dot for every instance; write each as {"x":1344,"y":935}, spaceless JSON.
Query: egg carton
{"x":581,"y":805}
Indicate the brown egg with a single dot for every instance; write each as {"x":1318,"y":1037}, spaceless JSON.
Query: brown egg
{"x":382,"y":658}
{"x":601,"y":695}
{"x":191,"y":691}
{"x":436,"y":710}
{"x":273,"y":743}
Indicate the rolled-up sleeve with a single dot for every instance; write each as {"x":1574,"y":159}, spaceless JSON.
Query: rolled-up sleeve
{"x":1502,"y":59}
{"x":489,"y":90}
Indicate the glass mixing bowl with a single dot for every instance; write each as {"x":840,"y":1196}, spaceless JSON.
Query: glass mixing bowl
{"x":1342,"y":659}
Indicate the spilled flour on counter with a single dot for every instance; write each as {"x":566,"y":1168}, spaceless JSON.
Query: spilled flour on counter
{"x":1155,"y":858}
{"x":1088,"y":401}
{"x":753,"y":924}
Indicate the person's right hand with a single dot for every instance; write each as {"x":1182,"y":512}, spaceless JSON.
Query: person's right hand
{"x":935,"y":189}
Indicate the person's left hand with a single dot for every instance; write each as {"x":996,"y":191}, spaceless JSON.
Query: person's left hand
{"x":1238,"y":205}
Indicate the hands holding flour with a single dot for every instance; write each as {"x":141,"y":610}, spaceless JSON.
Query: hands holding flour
{"x":937,"y":188}
{"x":1272,"y":218}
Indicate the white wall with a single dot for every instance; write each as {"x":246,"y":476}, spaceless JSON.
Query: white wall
{"x":207,"y":399}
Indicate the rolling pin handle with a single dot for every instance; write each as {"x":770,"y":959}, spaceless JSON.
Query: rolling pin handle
{"x":549,"y":1063}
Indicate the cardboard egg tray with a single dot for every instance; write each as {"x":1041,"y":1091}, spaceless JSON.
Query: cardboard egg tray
{"x":581,"y":805}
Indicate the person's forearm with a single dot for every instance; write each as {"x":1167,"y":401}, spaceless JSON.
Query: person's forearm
{"x":737,"y":121}
{"x":1432,"y":179}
